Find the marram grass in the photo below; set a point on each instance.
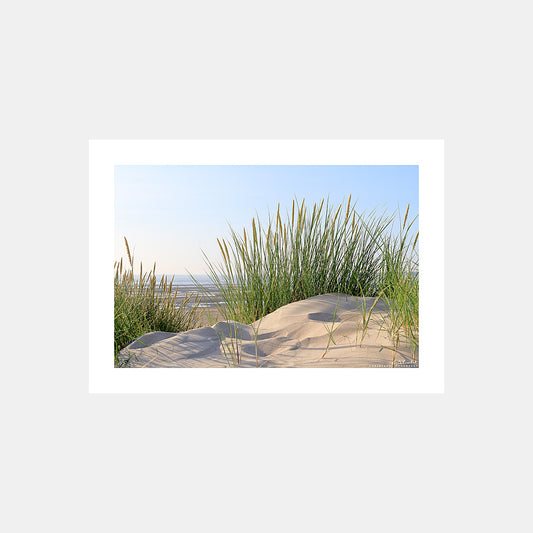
(326, 249)
(142, 305)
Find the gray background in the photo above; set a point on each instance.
(74, 71)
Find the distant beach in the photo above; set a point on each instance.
(186, 286)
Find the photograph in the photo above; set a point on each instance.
(266, 266)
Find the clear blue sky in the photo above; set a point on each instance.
(169, 214)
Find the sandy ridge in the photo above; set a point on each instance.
(294, 336)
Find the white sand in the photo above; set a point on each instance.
(294, 336)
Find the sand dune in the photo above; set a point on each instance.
(294, 336)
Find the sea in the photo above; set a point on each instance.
(210, 295)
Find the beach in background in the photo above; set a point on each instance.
(186, 287)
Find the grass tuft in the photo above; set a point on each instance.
(319, 252)
(143, 306)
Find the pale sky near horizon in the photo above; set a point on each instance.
(169, 214)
